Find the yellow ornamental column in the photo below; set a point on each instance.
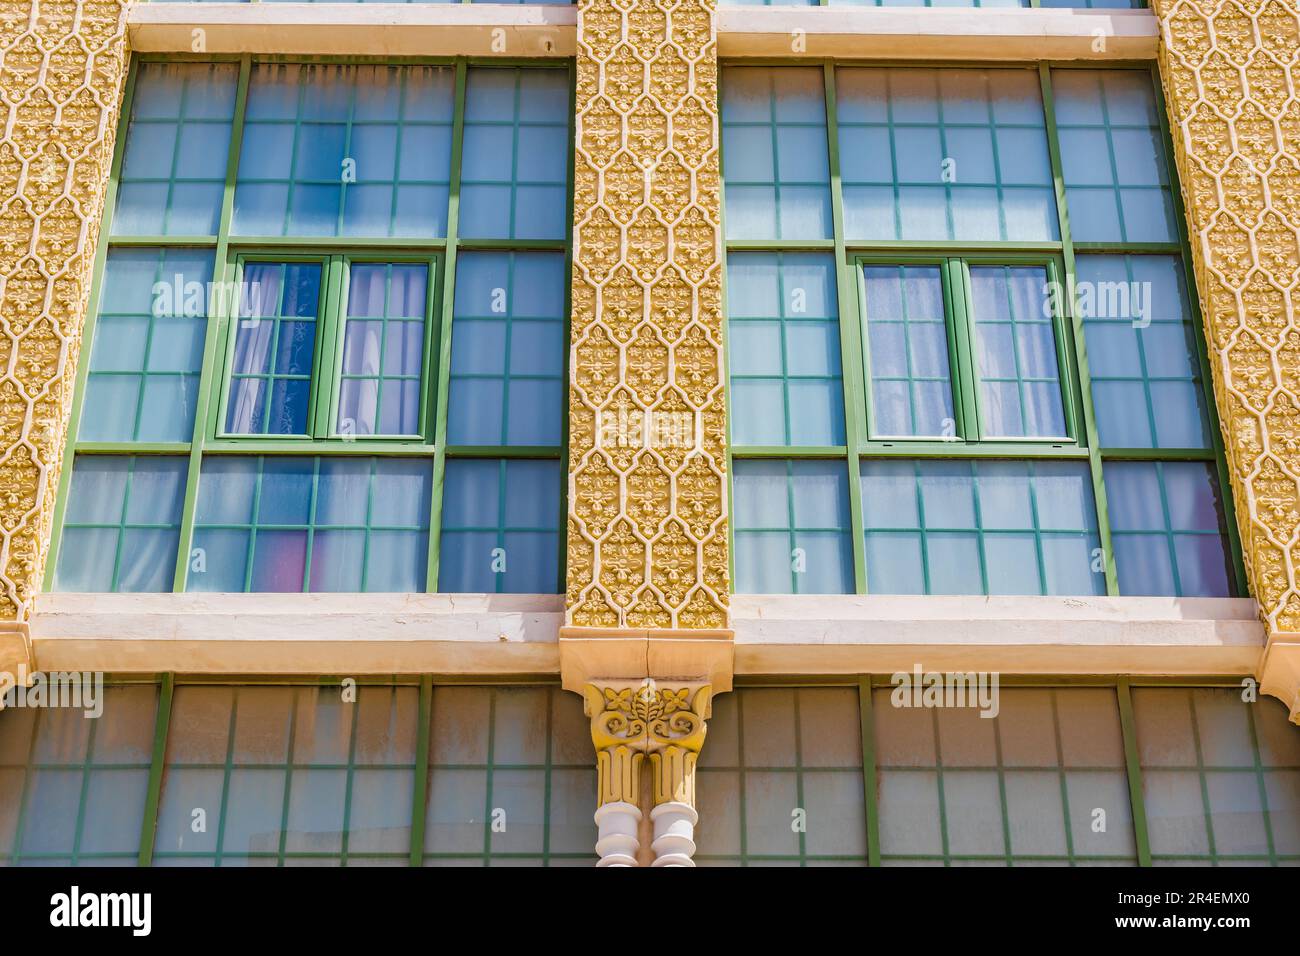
(62, 65)
(1230, 72)
(647, 529)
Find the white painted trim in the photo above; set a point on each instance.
(359, 29)
(937, 33)
(543, 30)
(490, 634)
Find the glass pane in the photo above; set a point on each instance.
(1142, 356)
(775, 161)
(383, 349)
(1015, 345)
(500, 527)
(288, 776)
(1000, 776)
(801, 762)
(907, 350)
(75, 774)
(784, 350)
(311, 524)
(1219, 777)
(944, 154)
(122, 524)
(792, 528)
(275, 342)
(507, 349)
(493, 754)
(177, 145)
(345, 150)
(980, 527)
(148, 348)
(1168, 528)
(1113, 156)
(516, 155)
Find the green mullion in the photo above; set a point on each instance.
(311, 524)
(229, 764)
(1263, 787)
(254, 445)
(938, 762)
(488, 783)
(1200, 774)
(1133, 768)
(347, 794)
(88, 331)
(213, 362)
(288, 767)
(162, 719)
(443, 386)
(852, 383)
(1063, 778)
(87, 768)
(1074, 323)
(940, 248)
(421, 793)
(1002, 783)
(867, 723)
(136, 241)
(780, 245)
(562, 565)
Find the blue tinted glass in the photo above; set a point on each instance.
(177, 146)
(792, 527)
(507, 351)
(148, 349)
(1113, 157)
(500, 527)
(275, 341)
(944, 154)
(1168, 529)
(516, 153)
(784, 351)
(334, 150)
(775, 158)
(122, 525)
(312, 524)
(1142, 358)
(986, 527)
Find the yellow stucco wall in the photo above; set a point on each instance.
(62, 65)
(647, 540)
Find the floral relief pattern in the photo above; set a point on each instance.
(62, 65)
(1230, 70)
(647, 468)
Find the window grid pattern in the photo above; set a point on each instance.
(960, 789)
(777, 785)
(1221, 778)
(805, 775)
(145, 364)
(319, 383)
(972, 140)
(323, 154)
(1052, 370)
(783, 344)
(73, 788)
(512, 779)
(171, 177)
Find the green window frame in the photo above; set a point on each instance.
(339, 256)
(955, 260)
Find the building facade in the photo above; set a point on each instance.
(650, 432)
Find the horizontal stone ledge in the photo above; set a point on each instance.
(544, 30)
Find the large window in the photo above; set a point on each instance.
(330, 324)
(964, 352)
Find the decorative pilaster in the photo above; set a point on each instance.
(632, 721)
(647, 540)
(1230, 70)
(62, 65)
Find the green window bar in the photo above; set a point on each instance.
(297, 319)
(974, 321)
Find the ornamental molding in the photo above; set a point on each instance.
(62, 66)
(1230, 75)
(647, 528)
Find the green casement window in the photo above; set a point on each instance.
(964, 352)
(330, 322)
